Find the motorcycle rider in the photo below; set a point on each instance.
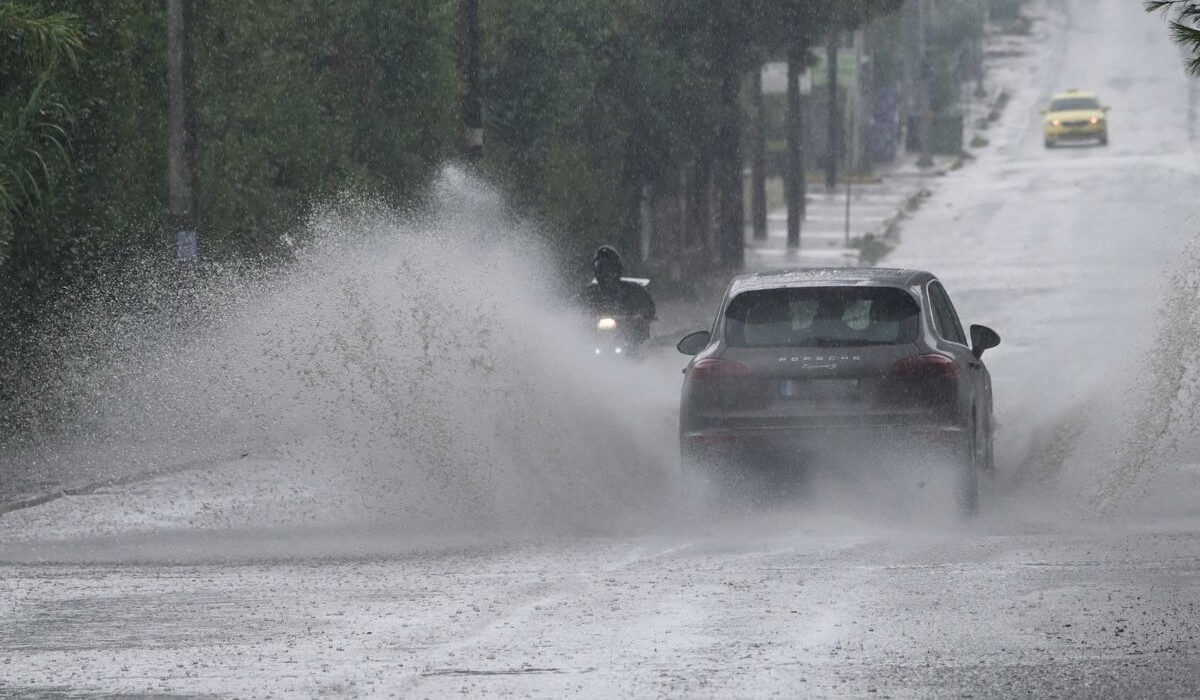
(609, 295)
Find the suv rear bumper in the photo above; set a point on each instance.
(795, 448)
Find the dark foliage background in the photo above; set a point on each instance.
(587, 104)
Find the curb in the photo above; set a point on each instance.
(88, 487)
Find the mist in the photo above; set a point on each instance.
(423, 370)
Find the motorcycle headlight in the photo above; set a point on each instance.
(606, 324)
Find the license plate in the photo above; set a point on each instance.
(817, 389)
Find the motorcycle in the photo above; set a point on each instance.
(616, 336)
(619, 336)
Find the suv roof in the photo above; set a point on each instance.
(829, 276)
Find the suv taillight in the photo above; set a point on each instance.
(928, 366)
(713, 369)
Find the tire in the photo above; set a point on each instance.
(698, 484)
(715, 485)
(693, 495)
(987, 464)
(1049, 143)
(1104, 139)
(967, 476)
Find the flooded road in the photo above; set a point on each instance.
(271, 574)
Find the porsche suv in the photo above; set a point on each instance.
(803, 361)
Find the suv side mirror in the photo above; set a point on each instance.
(983, 338)
(693, 343)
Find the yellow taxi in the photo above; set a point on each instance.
(1075, 115)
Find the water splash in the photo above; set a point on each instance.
(420, 369)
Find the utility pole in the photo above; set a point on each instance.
(729, 180)
(849, 162)
(980, 92)
(796, 178)
(854, 146)
(758, 161)
(472, 103)
(181, 126)
(831, 166)
(924, 70)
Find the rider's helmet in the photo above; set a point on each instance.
(606, 264)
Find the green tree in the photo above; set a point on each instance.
(299, 101)
(585, 104)
(545, 79)
(39, 47)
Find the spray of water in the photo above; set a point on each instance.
(1114, 436)
(420, 370)
(1155, 462)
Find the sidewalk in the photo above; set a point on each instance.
(849, 225)
(875, 212)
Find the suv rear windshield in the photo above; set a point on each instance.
(1065, 104)
(821, 317)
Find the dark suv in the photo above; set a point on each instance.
(832, 359)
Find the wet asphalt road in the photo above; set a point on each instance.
(1081, 578)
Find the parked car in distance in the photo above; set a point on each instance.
(804, 361)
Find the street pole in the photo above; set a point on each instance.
(854, 102)
(730, 180)
(796, 179)
(472, 103)
(181, 127)
(849, 173)
(924, 72)
(831, 166)
(758, 164)
(980, 92)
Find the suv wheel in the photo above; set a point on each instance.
(967, 476)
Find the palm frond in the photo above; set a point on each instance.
(33, 136)
(1184, 26)
(41, 41)
(42, 164)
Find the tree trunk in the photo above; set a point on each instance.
(731, 224)
(795, 181)
(699, 214)
(925, 71)
(472, 101)
(831, 160)
(181, 139)
(758, 161)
